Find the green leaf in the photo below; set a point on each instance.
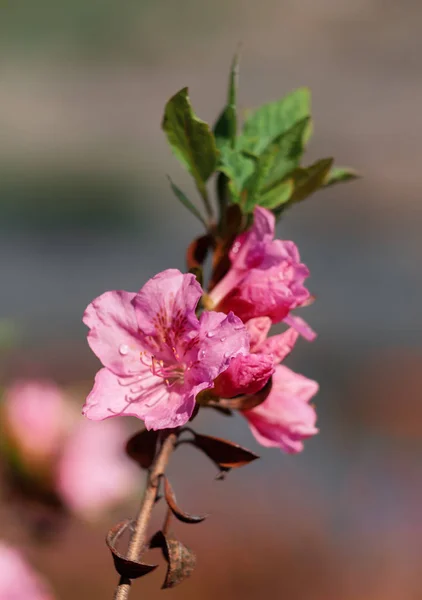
(280, 157)
(288, 149)
(237, 167)
(308, 180)
(190, 138)
(263, 164)
(340, 175)
(185, 200)
(225, 130)
(271, 120)
(277, 195)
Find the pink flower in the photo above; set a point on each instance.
(157, 354)
(266, 276)
(17, 579)
(94, 474)
(245, 375)
(36, 418)
(285, 418)
(248, 374)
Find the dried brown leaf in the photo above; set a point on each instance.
(181, 560)
(176, 510)
(141, 448)
(225, 454)
(129, 569)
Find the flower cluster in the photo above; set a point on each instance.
(57, 452)
(160, 351)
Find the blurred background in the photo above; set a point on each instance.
(85, 207)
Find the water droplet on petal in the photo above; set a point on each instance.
(227, 354)
(223, 339)
(210, 334)
(239, 327)
(201, 354)
(124, 349)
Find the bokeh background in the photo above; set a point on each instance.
(85, 207)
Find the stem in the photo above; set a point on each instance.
(138, 538)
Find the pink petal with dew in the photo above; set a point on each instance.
(258, 329)
(245, 375)
(221, 338)
(114, 334)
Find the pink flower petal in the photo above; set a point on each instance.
(168, 302)
(258, 329)
(248, 246)
(146, 397)
(221, 338)
(266, 276)
(245, 375)
(279, 346)
(285, 418)
(114, 332)
(261, 293)
(111, 395)
(301, 327)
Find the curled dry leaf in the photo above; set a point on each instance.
(197, 251)
(226, 455)
(141, 447)
(130, 569)
(178, 512)
(181, 560)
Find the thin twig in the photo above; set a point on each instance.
(138, 538)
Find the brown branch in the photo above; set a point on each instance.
(138, 538)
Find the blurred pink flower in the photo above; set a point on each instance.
(94, 474)
(17, 579)
(285, 418)
(36, 418)
(81, 462)
(157, 355)
(266, 276)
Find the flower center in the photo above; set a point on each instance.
(171, 372)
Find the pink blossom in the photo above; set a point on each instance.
(266, 276)
(17, 579)
(248, 374)
(285, 418)
(157, 354)
(36, 418)
(93, 473)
